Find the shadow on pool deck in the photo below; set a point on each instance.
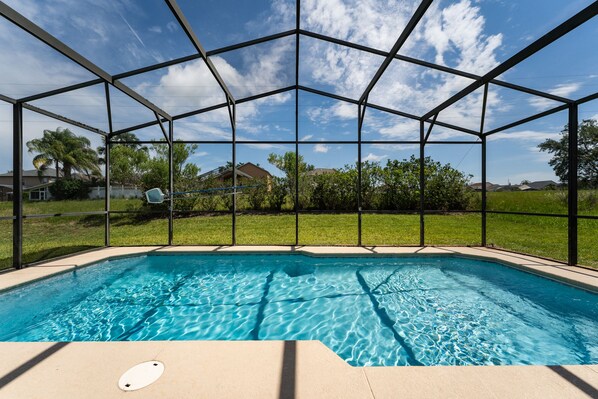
(288, 373)
(576, 381)
(31, 363)
(34, 377)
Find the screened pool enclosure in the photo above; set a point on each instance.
(309, 115)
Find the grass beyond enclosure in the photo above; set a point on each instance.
(537, 235)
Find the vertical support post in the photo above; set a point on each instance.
(170, 181)
(17, 189)
(107, 168)
(297, 24)
(572, 184)
(361, 110)
(483, 138)
(296, 166)
(107, 193)
(483, 243)
(422, 187)
(233, 114)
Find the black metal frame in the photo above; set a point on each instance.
(431, 117)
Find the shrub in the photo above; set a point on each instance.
(277, 194)
(255, 197)
(70, 189)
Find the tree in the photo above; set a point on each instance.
(399, 187)
(128, 159)
(587, 153)
(185, 174)
(63, 147)
(446, 188)
(286, 164)
(127, 139)
(127, 164)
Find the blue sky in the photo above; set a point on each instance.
(466, 34)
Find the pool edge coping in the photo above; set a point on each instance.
(578, 277)
(325, 366)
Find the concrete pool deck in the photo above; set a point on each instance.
(274, 369)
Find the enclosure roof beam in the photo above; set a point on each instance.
(210, 53)
(140, 99)
(204, 110)
(587, 98)
(7, 99)
(182, 20)
(528, 119)
(386, 109)
(64, 119)
(34, 30)
(239, 101)
(159, 120)
(61, 90)
(431, 65)
(415, 18)
(160, 65)
(578, 19)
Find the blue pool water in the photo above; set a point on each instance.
(370, 311)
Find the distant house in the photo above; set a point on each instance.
(478, 186)
(247, 171)
(35, 183)
(31, 177)
(524, 187)
(543, 185)
(5, 192)
(533, 186)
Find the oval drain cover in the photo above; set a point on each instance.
(140, 376)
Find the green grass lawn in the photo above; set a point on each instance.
(549, 201)
(544, 236)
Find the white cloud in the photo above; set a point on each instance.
(172, 26)
(374, 158)
(345, 110)
(155, 29)
(563, 90)
(307, 137)
(405, 129)
(453, 33)
(321, 148)
(539, 156)
(525, 135)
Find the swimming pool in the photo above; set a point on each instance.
(381, 311)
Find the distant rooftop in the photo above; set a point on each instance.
(48, 172)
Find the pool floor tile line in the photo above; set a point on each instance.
(521, 316)
(255, 332)
(387, 279)
(387, 321)
(155, 308)
(84, 297)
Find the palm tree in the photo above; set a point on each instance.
(63, 147)
(130, 140)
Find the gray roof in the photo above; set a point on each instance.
(49, 172)
(220, 171)
(538, 185)
(48, 184)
